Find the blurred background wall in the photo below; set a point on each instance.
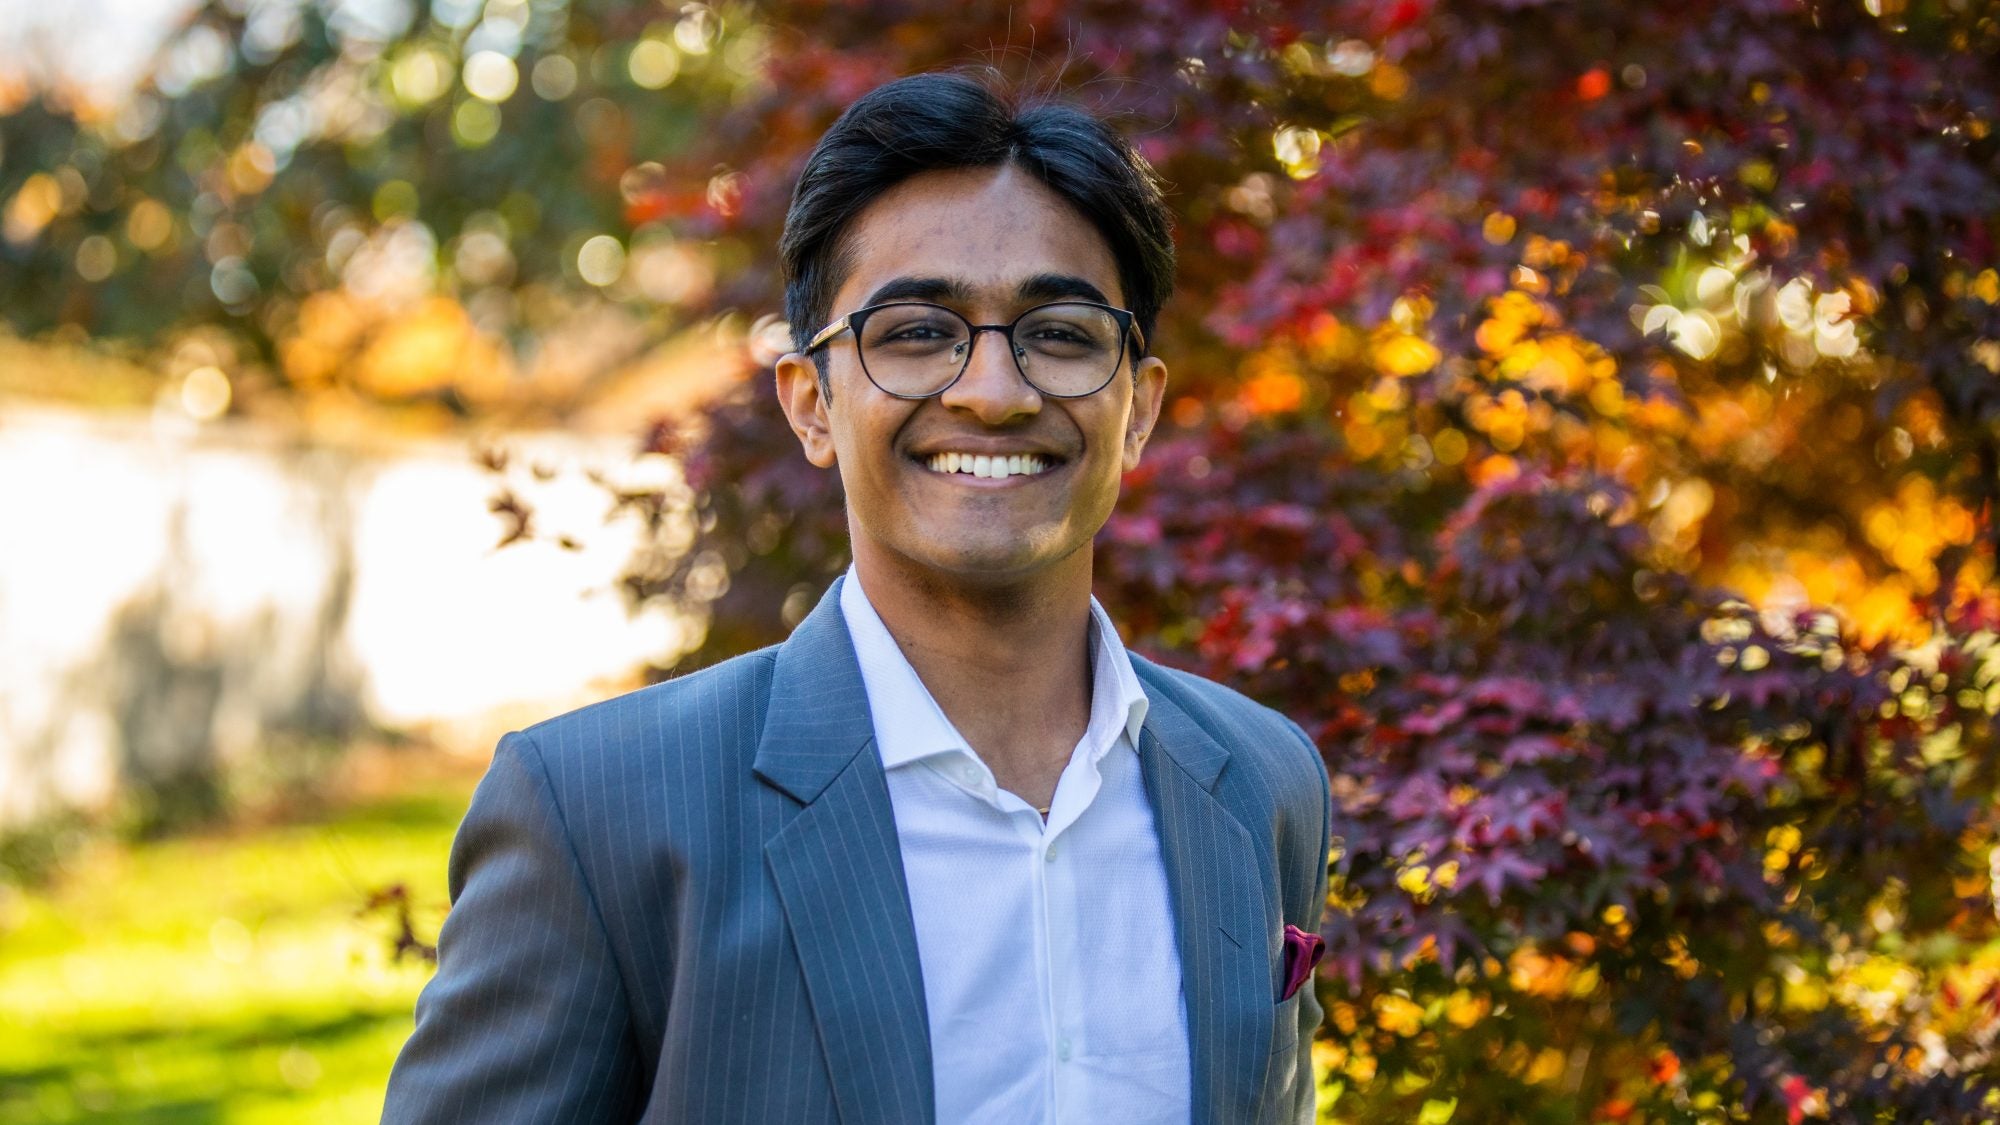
(188, 598)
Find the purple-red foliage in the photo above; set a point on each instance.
(1519, 695)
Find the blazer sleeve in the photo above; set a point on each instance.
(1306, 1089)
(527, 1019)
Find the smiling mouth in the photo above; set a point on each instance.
(988, 467)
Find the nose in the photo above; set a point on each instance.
(992, 389)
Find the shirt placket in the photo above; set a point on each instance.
(1028, 830)
(1059, 945)
(1062, 942)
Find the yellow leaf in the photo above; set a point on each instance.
(1463, 1009)
(1437, 1112)
(1406, 355)
(1399, 1014)
(1548, 1066)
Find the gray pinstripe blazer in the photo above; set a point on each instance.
(687, 904)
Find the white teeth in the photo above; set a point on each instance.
(985, 465)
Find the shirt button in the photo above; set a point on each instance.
(1062, 1049)
(1049, 854)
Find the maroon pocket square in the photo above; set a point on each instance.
(1302, 953)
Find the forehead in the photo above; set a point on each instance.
(988, 229)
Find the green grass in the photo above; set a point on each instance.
(229, 978)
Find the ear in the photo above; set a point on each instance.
(805, 404)
(1149, 388)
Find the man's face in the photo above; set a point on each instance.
(989, 244)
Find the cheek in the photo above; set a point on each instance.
(1098, 492)
(864, 444)
(1112, 429)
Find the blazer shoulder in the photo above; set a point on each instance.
(728, 697)
(1251, 730)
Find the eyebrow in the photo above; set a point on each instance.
(1056, 286)
(1041, 287)
(921, 289)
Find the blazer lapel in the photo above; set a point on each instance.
(1227, 944)
(839, 874)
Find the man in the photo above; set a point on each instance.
(948, 854)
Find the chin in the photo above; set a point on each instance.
(997, 563)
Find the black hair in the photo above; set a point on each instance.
(948, 120)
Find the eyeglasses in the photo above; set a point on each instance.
(911, 349)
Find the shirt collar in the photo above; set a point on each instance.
(909, 725)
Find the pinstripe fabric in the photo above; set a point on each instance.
(687, 905)
(1261, 812)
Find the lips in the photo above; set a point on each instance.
(986, 465)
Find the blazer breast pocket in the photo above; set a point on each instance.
(1285, 1027)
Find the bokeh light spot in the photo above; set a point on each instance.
(490, 76)
(1352, 58)
(1697, 334)
(725, 193)
(554, 77)
(393, 200)
(149, 225)
(96, 257)
(653, 64)
(475, 123)
(698, 30)
(38, 201)
(1297, 148)
(232, 283)
(419, 77)
(1714, 284)
(250, 168)
(601, 261)
(205, 393)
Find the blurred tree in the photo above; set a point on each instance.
(1510, 335)
(327, 207)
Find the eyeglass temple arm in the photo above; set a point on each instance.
(829, 332)
(1137, 337)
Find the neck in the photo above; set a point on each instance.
(1007, 661)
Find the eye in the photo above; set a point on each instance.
(1067, 330)
(912, 329)
(921, 330)
(1060, 333)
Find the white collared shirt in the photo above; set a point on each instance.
(1051, 977)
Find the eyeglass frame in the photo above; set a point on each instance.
(1128, 330)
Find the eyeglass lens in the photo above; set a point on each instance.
(1061, 349)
